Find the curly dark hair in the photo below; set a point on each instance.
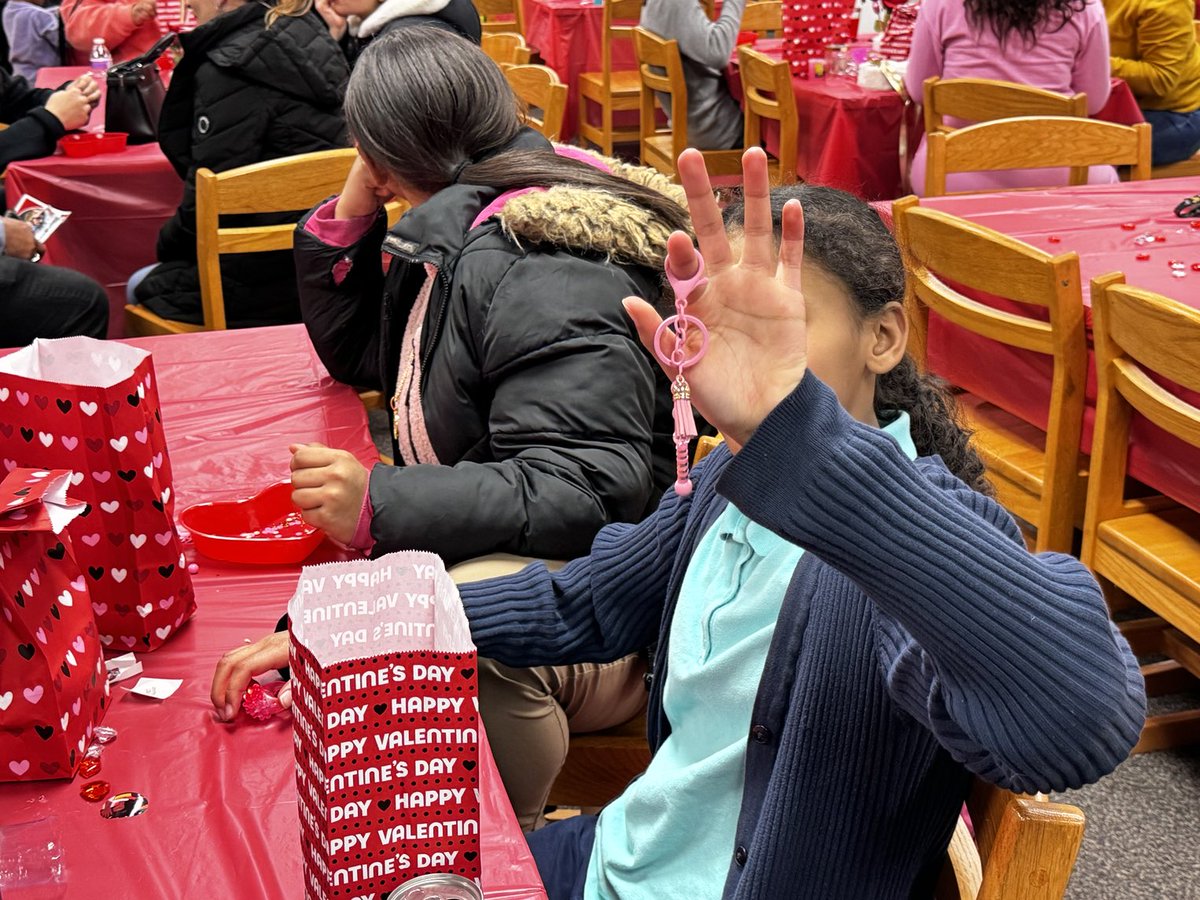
(1026, 17)
(849, 241)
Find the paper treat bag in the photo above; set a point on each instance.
(52, 682)
(386, 725)
(92, 407)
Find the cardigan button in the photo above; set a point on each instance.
(761, 734)
(740, 855)
(648, 680)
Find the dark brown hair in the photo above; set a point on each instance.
(1025, 17)
(849, 241)
(433, 109)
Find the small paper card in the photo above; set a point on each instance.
(43, 218)
(157, 688)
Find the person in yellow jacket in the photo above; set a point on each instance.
(1154, 48)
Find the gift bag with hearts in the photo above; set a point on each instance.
(92, 407)
(386, 725)
(53, 688)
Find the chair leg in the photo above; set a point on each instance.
(606, 120)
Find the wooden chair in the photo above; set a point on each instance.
(1033, 142)
(1024, 848)
(763, 16)
(612, 91)
(501, 15)
(661, 70)
(505, 48)
(982, 100)
(767, 87)
(1150, 552)
(539, 88)
(1037, 476)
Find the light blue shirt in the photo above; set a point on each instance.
(676, 824)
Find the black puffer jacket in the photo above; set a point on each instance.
(546, 414)
(243, 93)
(452, 16)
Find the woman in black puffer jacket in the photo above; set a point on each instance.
(526, 413)
(255, 83)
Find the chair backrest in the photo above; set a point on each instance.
(982, 100)
(944, 253)
(763, 16)
(293, 184)
(539, 88)
(1037, 142)
(506, 48)
(620, 19)
(661, 70)
(767, 88)
(500, 15)
(1024, 848)
(1196, 26)
(1136, 333)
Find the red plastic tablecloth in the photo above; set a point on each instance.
(849, 135)
(569, 36)
(222, 821)
(118, 202)
(1086, 220)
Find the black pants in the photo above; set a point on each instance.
(39, 301)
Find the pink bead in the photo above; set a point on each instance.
(193, 568)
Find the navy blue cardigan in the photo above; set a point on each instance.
(919, 642)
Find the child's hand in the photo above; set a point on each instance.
(362, 195)
(752, 307)
(328, 486)
(237, 667)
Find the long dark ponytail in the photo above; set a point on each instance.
(848, 240)
(1025, 17)
(433, 109)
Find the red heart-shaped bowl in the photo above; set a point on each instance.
(233, 530)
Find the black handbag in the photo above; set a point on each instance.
(135, 94)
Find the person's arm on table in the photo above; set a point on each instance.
(1165, 36)
(340, 279)
(34, 133)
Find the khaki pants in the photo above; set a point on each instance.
(530, 714)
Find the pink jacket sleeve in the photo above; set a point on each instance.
(1091, 73)
(88, 19)
(926, 57)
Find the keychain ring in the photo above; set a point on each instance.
(692, 322)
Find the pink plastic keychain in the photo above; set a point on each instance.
(681, 392)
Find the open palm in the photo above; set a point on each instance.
(753, 307)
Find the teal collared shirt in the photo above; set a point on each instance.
(675, 825)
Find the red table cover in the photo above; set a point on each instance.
(223, 819)
(569, 36)
(849, 135)
(1086, 220)
(118, 202)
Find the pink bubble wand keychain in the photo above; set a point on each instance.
(681, 391)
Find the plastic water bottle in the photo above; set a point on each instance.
(101, 59)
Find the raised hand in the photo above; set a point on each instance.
(752, 306)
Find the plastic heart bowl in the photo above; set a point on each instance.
(265, 529)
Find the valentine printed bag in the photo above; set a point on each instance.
(53, 688)
(896, 42)
(810, 26)
(92, 406)
(386, 725)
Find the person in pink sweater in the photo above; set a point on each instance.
(1057, 45)
(129, 27)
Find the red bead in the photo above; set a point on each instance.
(1195, 223)
(1162, 238)
(1196, 267)
(94, 792)
(89, 766)
(1143, 256)
(1129, 226)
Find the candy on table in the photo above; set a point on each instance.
(95, 791)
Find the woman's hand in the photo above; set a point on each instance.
(240, 665)
(328, 486)
(335, 21)
(753, 306)
(142, 11)
(70, 106)
(87, 86)
(362, 195)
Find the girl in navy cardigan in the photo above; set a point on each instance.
(849, 627)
